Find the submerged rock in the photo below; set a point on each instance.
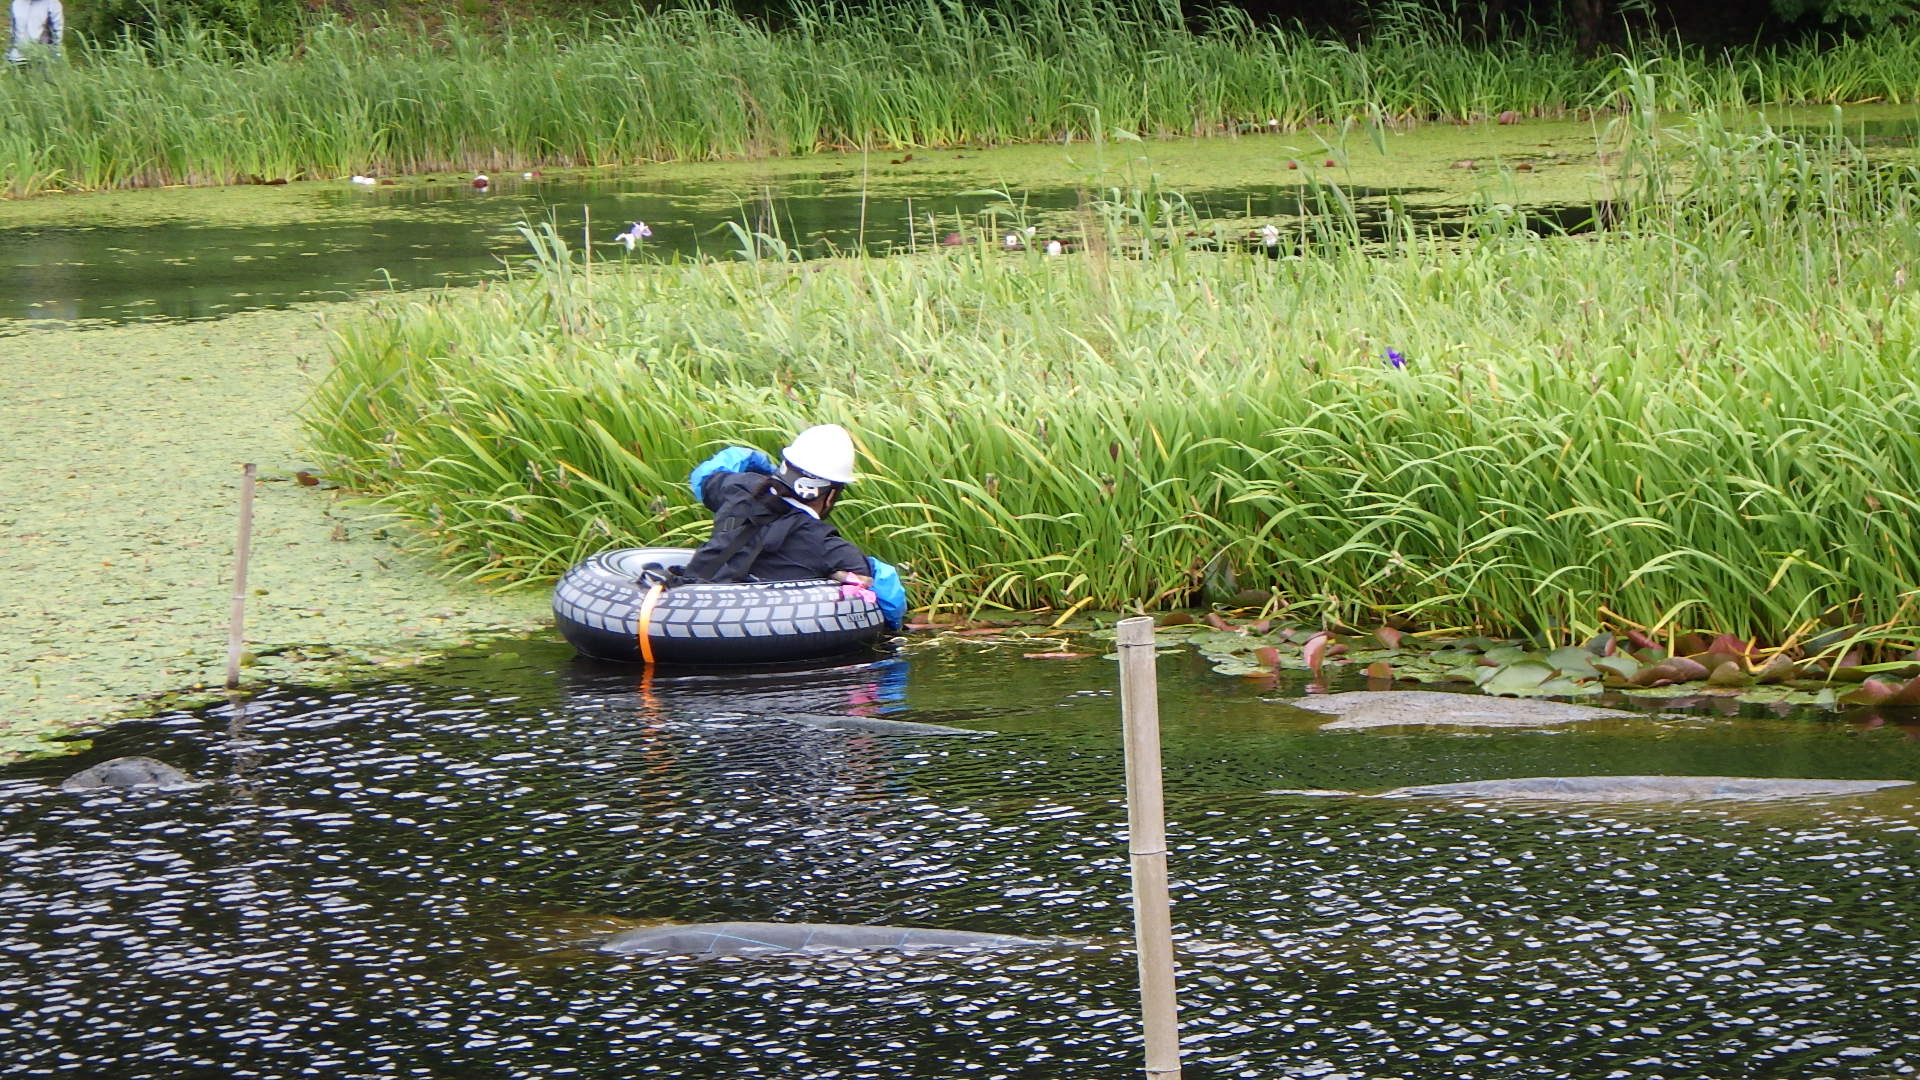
(127, 772)
(1645, 788)
(1405, 708)
(735, 938)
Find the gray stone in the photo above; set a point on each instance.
(127, 772)
(736, 938)
(1361, 709)
(1644, 788)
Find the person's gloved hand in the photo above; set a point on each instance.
(851, 589)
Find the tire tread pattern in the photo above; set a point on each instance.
(597, 607)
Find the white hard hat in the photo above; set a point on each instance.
(824, 451)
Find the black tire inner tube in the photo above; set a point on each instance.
(597, 606)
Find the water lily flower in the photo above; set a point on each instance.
(635, 233)
(358, 179)
(1270, 235)
(1395, 360)
(1055, 247)
(1011, 242)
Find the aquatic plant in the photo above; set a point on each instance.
(694, 82)
(633, 235)
(1703, 419)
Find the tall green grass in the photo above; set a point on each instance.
(698, 82)
(1708, 420)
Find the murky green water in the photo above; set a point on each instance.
(407, 880)
(452, 234)
(188, 254)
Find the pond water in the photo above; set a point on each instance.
(190, 254)
(356, 240)
(407, 879)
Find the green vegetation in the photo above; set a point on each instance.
(1704, 419)
(193, 106)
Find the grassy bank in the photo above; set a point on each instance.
(697, 83)
(1704, 419)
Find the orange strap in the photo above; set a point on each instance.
(646, 621)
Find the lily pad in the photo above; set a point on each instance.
(1575, 661)
(1623, 666)
(1676, 669)
(1241, 667)
(1729, 674)
(1533, 678)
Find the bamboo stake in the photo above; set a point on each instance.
(242, 551)
(1147, 844)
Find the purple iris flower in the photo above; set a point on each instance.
(633, 235)
(1395, 360)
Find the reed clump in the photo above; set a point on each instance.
(1705, 419)
(699, 82)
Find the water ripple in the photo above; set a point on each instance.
(407, 880)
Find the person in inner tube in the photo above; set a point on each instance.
(770, 523)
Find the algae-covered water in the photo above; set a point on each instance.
(409, 878)
(121, 467)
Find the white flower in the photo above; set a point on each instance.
(1270, 235)
(1054, 247)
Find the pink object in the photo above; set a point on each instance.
(849, 590)
(1315, 652)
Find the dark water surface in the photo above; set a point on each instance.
(406, 879)
(450, 234)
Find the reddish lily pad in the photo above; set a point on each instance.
(1315, 652)
(1676, 669)
(1730, 673)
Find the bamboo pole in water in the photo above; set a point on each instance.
(242, 551)
(1147, 844)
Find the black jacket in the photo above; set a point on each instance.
(757, 535)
